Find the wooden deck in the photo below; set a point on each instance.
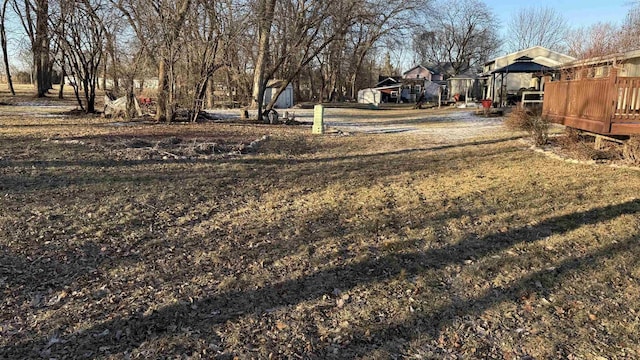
(608, 106)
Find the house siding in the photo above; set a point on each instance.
(418, 73)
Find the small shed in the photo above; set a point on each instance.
(466, 84)
(370, 96)
(380, 94)
(285, 100)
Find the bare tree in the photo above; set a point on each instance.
(237, 51)
(379, 22)
(462, 33)
(537, 26)
(33, 16)
(300, 30)
(3, 43)
(316, 24)
(599, 39)
(630, 32)
(607, 38)
(83, 40)
(265, 14)
(57, 31)
(211, 28)
(158, 27)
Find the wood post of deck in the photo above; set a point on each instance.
(611, 100)
(545, 80)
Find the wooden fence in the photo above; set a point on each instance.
(608, 105)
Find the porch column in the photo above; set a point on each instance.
(493, 87)
(611, 102)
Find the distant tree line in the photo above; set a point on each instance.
(207, 51)
(195, 47)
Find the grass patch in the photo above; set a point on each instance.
(367, 246)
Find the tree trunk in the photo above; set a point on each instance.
(89, 97)
(258, 77)
(354, 78)
(210, 100)
(7, 70)
(264, 32)
(161, 106)
(297, 94)
(199, 101)
(323, 86)
(63, 75)
(3, 43)
(104, 75)
(131, 98)
(114, 70)
(41, 48)
(312, 85)
(76, 92)
(229, 87)
(91, 104)
(171, 93)
(358, 66)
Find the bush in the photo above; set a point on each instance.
(580, 146)
(631, 150)
(572, 135)
(530, 121)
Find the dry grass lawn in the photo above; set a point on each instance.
(363, 246)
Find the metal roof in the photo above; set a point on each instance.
(387, 87)
(523, 64)
(525, 51)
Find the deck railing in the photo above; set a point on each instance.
(608, 105)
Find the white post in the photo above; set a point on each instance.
(318, 120)
(466, 95)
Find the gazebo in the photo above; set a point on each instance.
(523, 64)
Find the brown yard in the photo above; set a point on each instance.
(170, 241)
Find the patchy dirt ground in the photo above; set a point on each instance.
(376, 245)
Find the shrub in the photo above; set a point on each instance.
(530, 121)
(580, 146)
(631, 150)
(572, 135)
